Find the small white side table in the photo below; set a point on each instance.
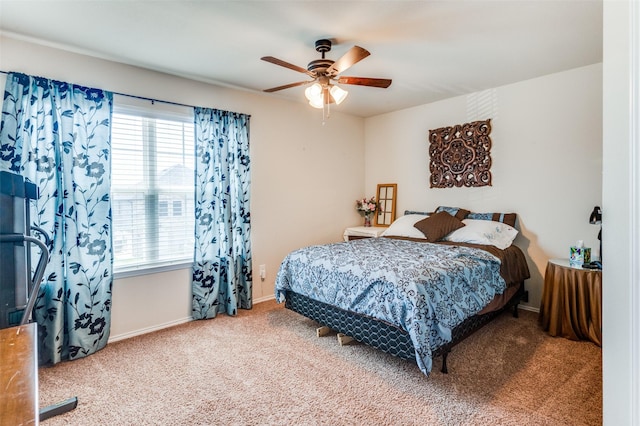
(356, 232)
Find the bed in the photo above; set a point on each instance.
(427, 283)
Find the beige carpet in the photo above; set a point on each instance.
(267, 367)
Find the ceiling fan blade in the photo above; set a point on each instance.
(383, 83)
(353, 56)
(282, 63)
(287, 86)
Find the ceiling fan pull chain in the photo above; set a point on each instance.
(328, 104)
(325, 106)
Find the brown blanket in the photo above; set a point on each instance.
(513, 265)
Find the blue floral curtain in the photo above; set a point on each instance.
(57, 135)
(222, 261)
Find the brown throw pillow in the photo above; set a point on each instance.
(462, 214)
(436, 226)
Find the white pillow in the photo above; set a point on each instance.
(403, 227)
(485, 232)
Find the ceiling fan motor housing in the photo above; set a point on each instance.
(323, 46)
(320, 65)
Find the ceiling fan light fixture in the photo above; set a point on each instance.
(317, 102)
(313, 92)
(315, 95)
(338, 94)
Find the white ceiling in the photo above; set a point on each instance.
(431, 49)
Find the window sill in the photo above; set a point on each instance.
(126, 273)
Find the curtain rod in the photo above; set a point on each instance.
(152, 100)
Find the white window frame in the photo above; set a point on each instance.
(164, 111)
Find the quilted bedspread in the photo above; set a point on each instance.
(426, 289)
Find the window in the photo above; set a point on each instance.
(163, 208)
(152, 186)
(177, 208)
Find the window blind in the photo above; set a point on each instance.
(152, 188)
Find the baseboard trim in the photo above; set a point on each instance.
(264, 299)
(146, 330)
(529, 308)
(158, 327)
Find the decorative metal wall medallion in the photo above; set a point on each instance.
(460, 155)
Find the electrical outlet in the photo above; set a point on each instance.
(263, 272)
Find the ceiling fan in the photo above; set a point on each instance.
(324, 72)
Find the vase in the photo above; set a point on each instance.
(367, 220)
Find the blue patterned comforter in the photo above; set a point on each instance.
(426, 289)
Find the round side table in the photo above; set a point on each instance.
(571, 305)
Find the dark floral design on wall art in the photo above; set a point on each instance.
(461, 155)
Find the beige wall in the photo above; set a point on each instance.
(546, 153)
(305, 177)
